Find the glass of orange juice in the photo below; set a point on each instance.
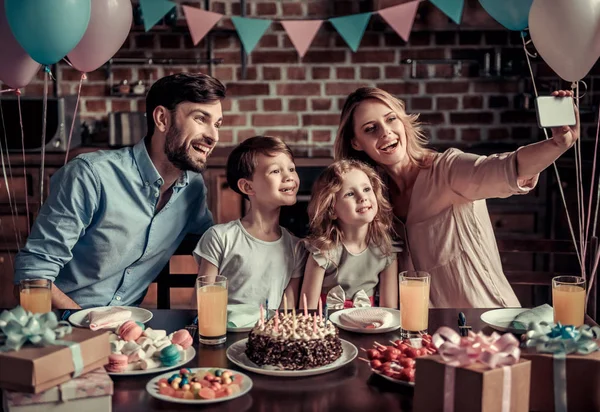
(211, 295)
(568, 299)
(414, 303)
(35, 295)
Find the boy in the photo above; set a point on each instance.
(260, 259)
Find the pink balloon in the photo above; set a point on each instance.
(567, 35)
(17, 69)
(109, 26)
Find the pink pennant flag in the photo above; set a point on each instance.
(302, 33)
(401, 17)
(200, 22)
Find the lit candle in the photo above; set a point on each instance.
(262, 321)
(320, 309)
(315, 324)
(305, 305)
(276, 320)
(284, 304)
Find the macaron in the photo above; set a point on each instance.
(183, 338)
(169, 356)
(129, 331)
(117, 363)
(141, 325)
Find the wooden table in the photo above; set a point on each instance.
(351, 388)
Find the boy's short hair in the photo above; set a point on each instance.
(242, 161)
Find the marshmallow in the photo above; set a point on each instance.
(113, 337)
(129, 348)
(116, 346)
(150, 351)
(155, 335)
(137, 356)
(149, 364)
(133, 366)
(163, 345)
(144, 342)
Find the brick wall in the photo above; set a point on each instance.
(301, 99)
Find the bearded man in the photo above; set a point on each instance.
(113, 218)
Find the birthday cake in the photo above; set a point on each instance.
(294, 342)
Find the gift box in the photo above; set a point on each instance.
(565, 367)
(475, 373)
(39, 352)
(91, 392)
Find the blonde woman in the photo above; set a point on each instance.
(350, 237)
(438, 199)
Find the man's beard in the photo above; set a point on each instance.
(177, 153)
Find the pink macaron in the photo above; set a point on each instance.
(182, 338)
(129, 331)
(116, 363)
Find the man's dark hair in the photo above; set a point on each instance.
(171, 90)
(242, 160)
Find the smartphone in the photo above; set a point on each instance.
(555, 111)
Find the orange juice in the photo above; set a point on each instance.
(36, 300)
(212, 310)
(414, 304)
(569, 304)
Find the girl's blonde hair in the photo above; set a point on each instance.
(325, 233)
(416, 141)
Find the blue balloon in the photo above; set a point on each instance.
(48, 29)
(512, 14)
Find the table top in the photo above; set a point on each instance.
(350, 388)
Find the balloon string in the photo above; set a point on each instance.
(560, 189)
(83, 77)
(579, 190)
(44, 112)
(592, 274)
(24, 166)
(9, 90)
(6, 183)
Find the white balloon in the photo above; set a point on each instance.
(566, 34)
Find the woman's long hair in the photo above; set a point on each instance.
(325, 232)
(416, 141)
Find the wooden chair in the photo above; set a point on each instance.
(552, 252)
(167, 280)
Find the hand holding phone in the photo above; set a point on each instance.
(555, 111)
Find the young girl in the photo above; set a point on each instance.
(350, 236)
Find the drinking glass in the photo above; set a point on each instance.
(414, 303)
(211, 294)
(35, 295)
(568, 300)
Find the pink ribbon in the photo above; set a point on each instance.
(493, 351)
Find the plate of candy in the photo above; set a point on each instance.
(197, 386)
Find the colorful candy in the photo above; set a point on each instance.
(216, 383)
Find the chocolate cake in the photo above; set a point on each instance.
(284, 343)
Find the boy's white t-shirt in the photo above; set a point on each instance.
(256, 270)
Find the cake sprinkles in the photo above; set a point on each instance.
(294, 342)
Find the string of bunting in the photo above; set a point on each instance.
(301, 32)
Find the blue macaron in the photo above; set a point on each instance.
(169, 356)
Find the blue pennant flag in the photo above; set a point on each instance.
(154, 10)
(451, 8)
(351, 28)
(250, 31)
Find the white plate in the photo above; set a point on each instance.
(80, 318)
(152, 388)
(500, 319)
(236, 353)
(398, 381)
(189, 355)
(335, 318)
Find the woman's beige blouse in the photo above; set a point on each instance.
(448, 232)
